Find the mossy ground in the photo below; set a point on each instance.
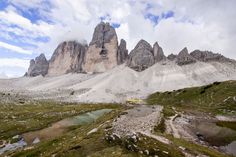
(216, 98)
(18, 119)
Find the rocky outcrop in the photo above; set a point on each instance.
(68, 57)
(158, 53)
(102, 51)
(141, 57)
(171, 57)
(184, 57)
(122, 54)
(39, 66)
(205, 56)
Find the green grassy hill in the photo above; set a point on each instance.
(216, 98)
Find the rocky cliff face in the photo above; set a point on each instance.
(141, 57)
(122, 54)
(184, 57)
(205, 56)
(172, 57)
(39, 66)
(68, 57)
(158, 53)
(102, 51)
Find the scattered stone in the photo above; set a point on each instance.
(16, 137)
(36, 140)
(72, 92)
(182, 148)
(165, 152)
(92, 131)
(146, 152)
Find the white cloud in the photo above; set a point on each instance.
(14, 48)
(14, 62)
(197, 24)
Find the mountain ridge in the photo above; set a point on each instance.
(104, 53)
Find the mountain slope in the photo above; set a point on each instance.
(122, 83)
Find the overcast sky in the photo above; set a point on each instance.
(31, 27)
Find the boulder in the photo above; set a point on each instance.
(39, 66)
(68, 57)
(122, 54)
(184, 57)
(102, 51)
(158, 53)
(141, 57)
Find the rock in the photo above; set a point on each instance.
(92, 131)
(16, 137)
(68, 57)
(146, 152)
(122, 54)
(102, 51)
(206, 56)
(36, 140)
(172, 57)
(141, 57)
(39, 66)
(184, 58)
(158, 53)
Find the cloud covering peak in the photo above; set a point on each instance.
(29, 28)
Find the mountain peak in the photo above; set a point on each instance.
(184, 57)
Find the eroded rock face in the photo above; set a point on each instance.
(172, 57)
(158, 53)
(102, 51)
(184, 57)
(122, 54)
(39, 66)
(205, 56)
(68, 57)
(141, 57)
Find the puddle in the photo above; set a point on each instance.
(215, 135)
(222, 137)
(230, 148)
(55, 130)
(14, 146)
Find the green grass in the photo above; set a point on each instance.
(231, 125)
(196, 148)
(216, 98)
(75, 142)
(18, 119)
(161, 127)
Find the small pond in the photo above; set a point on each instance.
(55, 130)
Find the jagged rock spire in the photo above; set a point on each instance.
(158, 53)
(39, 66)
(184, 57)
(68, 57)
(141, 57)
(205, 56)
(103, 49)
(122, 54)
